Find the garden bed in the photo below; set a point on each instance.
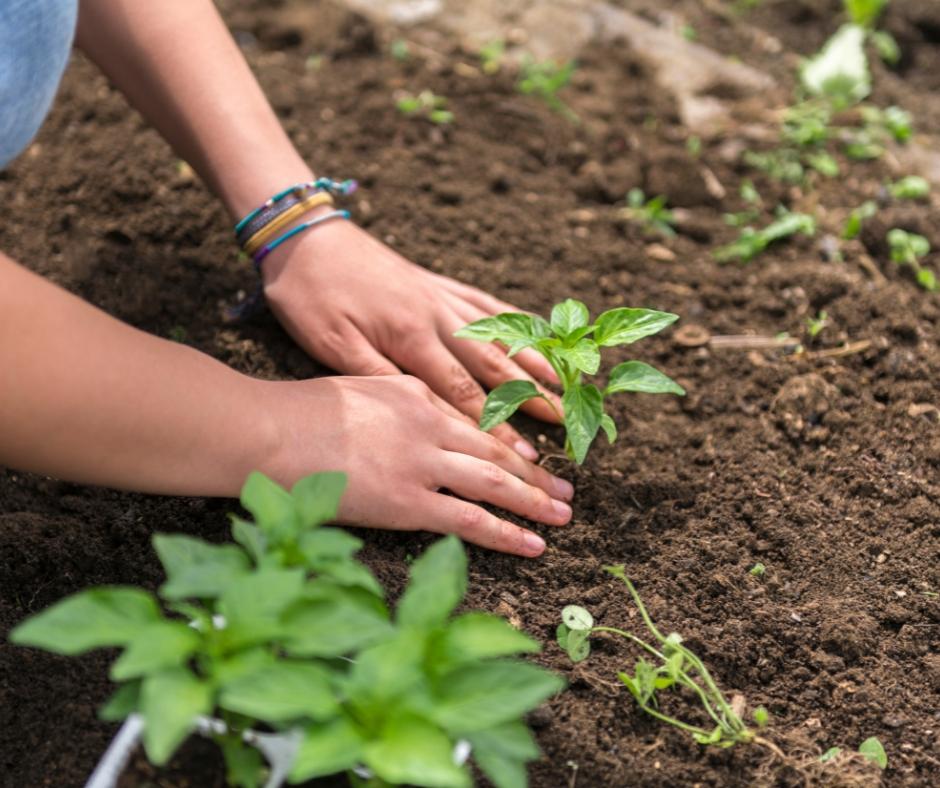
(824, 468)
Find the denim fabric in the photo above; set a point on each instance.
(35, 41)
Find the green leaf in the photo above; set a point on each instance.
(516, 329)
(95, 618)
(637, 376)
(170, 702)
(872, 749)
(438, 583)
(576, 618)
(865, 12)
(327, 749)
(828, 755)
(584, 356)
(478, 697)
(568, 316)
(349, 573)
(386, 671)
(502, 753)
(248, 536)
(196, 568)
(584, 407)
(282, 691)
(244, 766)
(578, 644)
(328, 544)
(317, 497)
(271, 505)
(476, 636)
(122, 703)
(163, 644)
(505, 400)
(610, 429)
(412, 751)
(252, 606)
(339, 623)
(840, 70)
(625, 325)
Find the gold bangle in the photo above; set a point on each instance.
(267, 232)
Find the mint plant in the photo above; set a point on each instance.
(571, 343)
(287, 630)
(652, 214)
(673, 665)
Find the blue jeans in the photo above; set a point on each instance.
(35, 41)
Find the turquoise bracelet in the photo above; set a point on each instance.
(320, 184)
(265, 250)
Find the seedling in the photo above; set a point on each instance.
(571, 343)
(673, 665)
(491, 56)
(839, 72)
(758, 570)
(865, 14)
(781, 164)
(400, 50)
(853, 225)
(287, 630)
(908, 249)
(814, 325)
(545, 79)
(871, 748)
(911, 187)
(752, 242)
(426, 105)
(652, 214)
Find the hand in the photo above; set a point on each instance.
(362, 309)
(400, 444)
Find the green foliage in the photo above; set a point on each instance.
(911, 187)
(666, 664)
(400, 50)
(571, 343)
(287, 630)
(839, 72)
(752, 242)
(545, 79)
(853, 225)
(871, 748)
(758, 570)
(491, 56)
(907, 249)
(425, 105)
(652, 214)
(864, 13)
(814, 325)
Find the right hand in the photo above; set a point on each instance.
(400, 444)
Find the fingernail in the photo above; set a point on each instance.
(534, 544)
(563, 488)
(527, 450)
(562, 510)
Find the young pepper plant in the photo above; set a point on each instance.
(571, 343)
(673, 665)
(287, 630)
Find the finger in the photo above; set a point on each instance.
(490, 364)
(447, 377)
(466, 440)
(530, 360)
(445, 515)
(480, 299)
(346, 350)
(479, 480)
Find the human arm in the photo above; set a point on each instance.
(346, 298)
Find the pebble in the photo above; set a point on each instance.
(660, 253)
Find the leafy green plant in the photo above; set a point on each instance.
(572, 345)
(286, 629)
(814, 325)
(839, 72)
(865, 14)
(752, 242)
(426, 105)
(911, 187)
(672, 665)
(652, 214)
(545, 79)
(907, 249)
(853, 225)
(758, 570)
(491, 56)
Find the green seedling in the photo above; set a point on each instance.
(752, 242)
(758, 570)
(688, 32)
(908, 249)
(839, 72)
(878, 129)
(865, 14)
(572, 344)
(426, 105)
(871, 748)
(652, 214)
(286, 630)
(858, 217)
(400, 50)
(491, 56)
(751, 197)
(911, 187)
(694, 146)
(545, 79)
(667, 663)
(781, 164)
(814, 325)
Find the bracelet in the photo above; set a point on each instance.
(265, 250)
(270, 228)
(297, 190)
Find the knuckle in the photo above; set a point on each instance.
(463, 387)
(470, 519)
(494, 476)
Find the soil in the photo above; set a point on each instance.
(824, 468)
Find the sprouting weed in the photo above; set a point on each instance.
(652, 214)
(425, 105)
(491, 56)
(853, 225)
(758, 570)
(908, 249)
(814, 325)
(911, 187)
(545, 79)
(752, 242)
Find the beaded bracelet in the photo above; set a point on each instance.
(272, 227)
(265, 250)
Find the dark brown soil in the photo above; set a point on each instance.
(826, 470)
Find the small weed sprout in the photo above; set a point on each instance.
(400, 50)
(814, 325)
(545, 79)
(425, 105)
(752, 242)
(758, 570)
(571, 343)
(652, 214)
(858, 217)
(911, 187)
(672, 666)
(871, 748)
(908, 249)
(491, 56)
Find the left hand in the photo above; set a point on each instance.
(362, 309)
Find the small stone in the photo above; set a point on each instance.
(881, 558)
(581, 232)
(918, 409)
(327, 114)
(691, 336)
(582, 216)
(660, 253)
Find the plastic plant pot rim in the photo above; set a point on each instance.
(278, 749)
